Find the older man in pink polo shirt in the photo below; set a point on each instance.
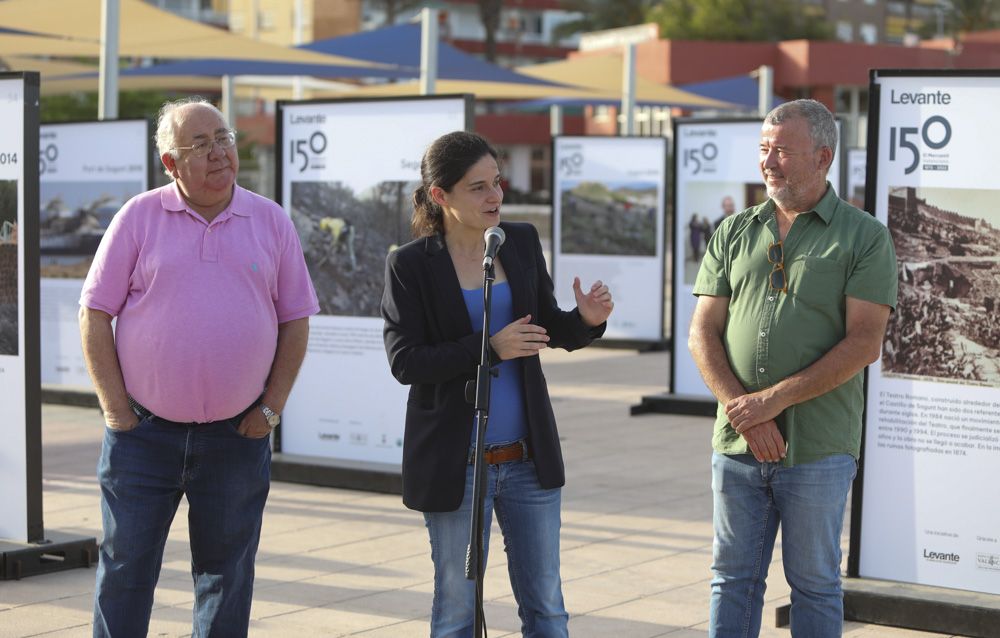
(212, 298)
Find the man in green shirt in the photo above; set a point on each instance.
(793, 300)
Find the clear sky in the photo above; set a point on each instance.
(970, 202)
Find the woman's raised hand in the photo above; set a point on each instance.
(595, 306)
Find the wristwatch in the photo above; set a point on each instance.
(273, 418)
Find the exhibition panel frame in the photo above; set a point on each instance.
(25, 548)
(346, 173)
(608, 224)
(87, 171)
(924, 512)
(21, 426)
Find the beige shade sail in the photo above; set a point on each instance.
(604, 73)
(14, 44)
(57, 79)
(145, 31)
(482, 90)
(597, 78)
(54, 81)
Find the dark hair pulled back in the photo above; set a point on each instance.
(444, 164)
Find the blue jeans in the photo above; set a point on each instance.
(529, 517)
(751, 499)
(143, 473)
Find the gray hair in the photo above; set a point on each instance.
(166, 123)
(822, 126)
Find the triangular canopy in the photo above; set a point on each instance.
(60, 77)
(145, 32)
(482, 90)
(19, 44)
(218, 67)
(395, 49)
(399, 45)
(603, 74)
(741, 89)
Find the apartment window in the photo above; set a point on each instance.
(845, 31)
(868, 33)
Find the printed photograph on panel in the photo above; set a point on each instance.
(8, 267)
(947, 324)
(609, 218)
(706, 206)
(346, 237)
(72, 219)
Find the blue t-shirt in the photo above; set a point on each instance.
(508, 420)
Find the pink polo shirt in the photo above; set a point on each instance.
(198, 304)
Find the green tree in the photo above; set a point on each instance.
(393, 8)
(972, 15)
(598, 15)
(83, 106)
(489, 14)
(746, 20)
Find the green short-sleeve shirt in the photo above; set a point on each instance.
(830, 253)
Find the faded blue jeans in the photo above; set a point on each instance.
(529, 517)
(143, 474)
(751, 499)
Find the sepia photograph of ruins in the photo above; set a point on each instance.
(946, 326)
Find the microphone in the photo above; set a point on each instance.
(494, 239)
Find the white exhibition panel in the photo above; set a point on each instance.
(13, 431)
(608, 222)
(929, 510)
(712, 161)
(87, 170)
(348, 172)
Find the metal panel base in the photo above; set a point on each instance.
(353, 475)
(946, 611)
(631, 344)
(64, 395)
(58, 552)
(675, 404)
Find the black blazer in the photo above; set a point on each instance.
(432, 348)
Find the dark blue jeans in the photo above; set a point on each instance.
(143, 473)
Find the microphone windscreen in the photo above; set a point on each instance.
(497, 232)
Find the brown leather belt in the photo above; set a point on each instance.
(517, 451)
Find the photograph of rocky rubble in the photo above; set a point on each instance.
(72, 219)
(613, 218)
(8, 267)
(346, 236)
(946, 326)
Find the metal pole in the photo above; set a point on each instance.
(297, 89)
(228, 90)
(428, 50)
(855, 94)
(555, 120)
(765, 89)
(628, 91)
(107, 99)
(254, 17)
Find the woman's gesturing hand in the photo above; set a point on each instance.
(520, 338)
(595, 307)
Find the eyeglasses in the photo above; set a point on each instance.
(202, 148)
(776, 256)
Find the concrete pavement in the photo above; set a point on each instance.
(636, 539)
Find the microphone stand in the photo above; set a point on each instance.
(474, 566)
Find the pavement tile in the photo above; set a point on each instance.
(636, 536)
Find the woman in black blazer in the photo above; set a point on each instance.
(431, 303)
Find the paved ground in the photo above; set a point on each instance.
(636, 541)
